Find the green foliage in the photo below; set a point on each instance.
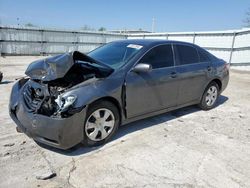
(30, 25)
(247, 19)
(87, 28)
(102, 29)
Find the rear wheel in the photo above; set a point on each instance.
(101, 123)
(210, 96)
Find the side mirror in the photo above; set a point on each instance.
(142, 67)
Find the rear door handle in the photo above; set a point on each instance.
(173, 74)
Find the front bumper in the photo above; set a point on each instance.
(58, 132)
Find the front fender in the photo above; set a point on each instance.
(89, 93)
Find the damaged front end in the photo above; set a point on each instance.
(44, 99)
(45, 106)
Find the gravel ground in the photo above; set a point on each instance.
(184, 148)
(241, 68)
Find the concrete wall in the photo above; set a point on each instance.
(232, 46)
(30, 41)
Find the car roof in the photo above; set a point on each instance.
(150, 42)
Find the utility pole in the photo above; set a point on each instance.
(153, 25)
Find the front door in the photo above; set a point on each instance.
(155, 90)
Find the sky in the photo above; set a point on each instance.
(169, 15)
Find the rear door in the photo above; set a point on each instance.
(193, 69)
(155, 90)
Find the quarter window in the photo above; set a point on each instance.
(160, 56)
(187, 54)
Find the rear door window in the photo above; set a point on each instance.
(186, 54)
(159, 57)
(203, 56)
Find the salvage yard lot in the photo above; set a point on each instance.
(184, 148)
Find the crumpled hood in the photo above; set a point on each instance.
(57, 66)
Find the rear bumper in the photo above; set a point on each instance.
(58, 132)
(224, 81)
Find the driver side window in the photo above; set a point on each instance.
(159, 57)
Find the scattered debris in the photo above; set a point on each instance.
(180, 120)
(47, 175)
(241, 116)
(24, 142)
(6, 154)
(230, 137)
(9, 144)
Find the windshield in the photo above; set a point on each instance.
(115, 54)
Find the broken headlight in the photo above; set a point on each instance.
(65, 102)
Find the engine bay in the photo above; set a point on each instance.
(43, 97)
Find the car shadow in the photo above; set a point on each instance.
(6, 82)
(133, 127)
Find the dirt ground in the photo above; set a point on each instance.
(184, 148)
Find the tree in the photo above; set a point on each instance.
(30, 25)
(247, 19)
(87, 28)
(102, 29)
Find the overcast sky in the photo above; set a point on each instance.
(176, 15)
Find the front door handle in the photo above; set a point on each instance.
(173, 74)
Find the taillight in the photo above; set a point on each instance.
(227, 66)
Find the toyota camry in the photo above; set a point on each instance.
(76, 98)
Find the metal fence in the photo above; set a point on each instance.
(32, 41)
(232, 46)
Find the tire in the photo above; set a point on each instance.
(210, 96)
(98, 130)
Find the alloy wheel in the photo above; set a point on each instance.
(211, 96)
(100, 124)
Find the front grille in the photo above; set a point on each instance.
(32, 101)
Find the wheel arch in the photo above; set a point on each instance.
(218, 82)
(112, 100)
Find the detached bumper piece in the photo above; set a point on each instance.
(1, 76)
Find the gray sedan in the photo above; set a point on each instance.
(74, 97)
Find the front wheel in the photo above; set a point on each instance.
(210, 96)
(101, 123)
